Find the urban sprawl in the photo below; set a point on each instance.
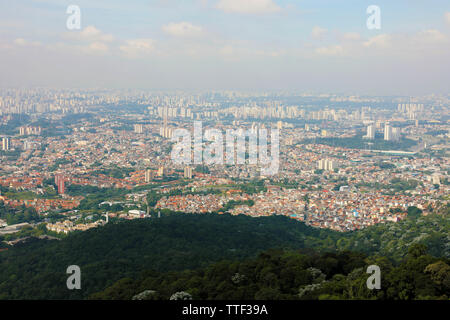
(73, 160)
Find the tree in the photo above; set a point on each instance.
(267, 294)
(414, 212)
(417, 250)
(440, 273)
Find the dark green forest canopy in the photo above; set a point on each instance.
(178, 242)
(278, 274)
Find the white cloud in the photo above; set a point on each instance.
(22, 42)
(413, 45)
(248, 6)
(89, 40)
(381, 41)
(430, 36)
(335, 50)
(136, 47)
(318, 32)
(447, 17)
(90, 34)
(96, 48)
(183, 29)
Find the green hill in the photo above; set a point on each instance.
(281, 275)
(37, 268)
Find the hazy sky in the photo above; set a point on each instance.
(317, 45)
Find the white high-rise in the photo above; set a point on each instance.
(138, 128)
(391, 133)
(148, 175)
(387, 132)
(326, 164)
(396, 134)
(188, 173)
(6, 143)
(371, 132)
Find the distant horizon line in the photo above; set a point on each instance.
(253, 91)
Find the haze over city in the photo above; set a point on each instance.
(318, 46)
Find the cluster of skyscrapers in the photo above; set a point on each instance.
(390, 133)
(326, 164)
(27, 130)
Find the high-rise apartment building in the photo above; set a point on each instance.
(162, 171)
(6, 143)
(60, 183)
(188, 173)
(387, 132)
(326, 164)
(391, 133)
(148, 175)
(138, 128)
(370, 132)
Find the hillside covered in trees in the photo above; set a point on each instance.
(277, 274)
(181, 243)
